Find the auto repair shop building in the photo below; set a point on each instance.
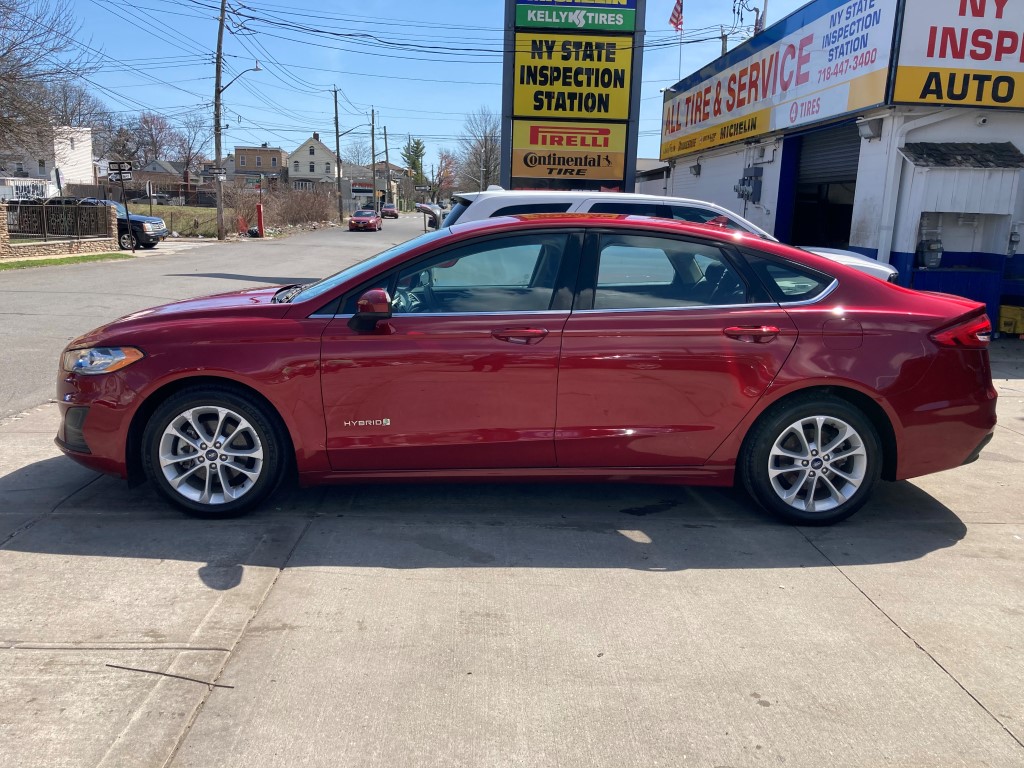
(890, 127)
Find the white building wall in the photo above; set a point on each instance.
(72, 153)
(721, 171)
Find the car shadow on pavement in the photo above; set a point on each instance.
(412, 526)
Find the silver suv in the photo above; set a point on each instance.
(473, 206)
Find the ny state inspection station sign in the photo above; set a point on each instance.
(571, 93)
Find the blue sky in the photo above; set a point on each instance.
(422, 65)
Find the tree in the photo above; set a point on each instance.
(412, 155)
(155, 136)
(357, 153)
(38, 50)
(480, 149)
(191, 141)
(444, 178)
(71, 104)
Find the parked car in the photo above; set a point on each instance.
(366, 218)
(154, 199)
(473, 206)
(147, 231)
(389, 211)
(544, 347)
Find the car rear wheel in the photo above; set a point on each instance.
(812, 461)
(126, 240)
(214, 452)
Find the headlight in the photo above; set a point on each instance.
(148, 226)
(99, 359)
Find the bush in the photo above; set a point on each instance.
(294, 206)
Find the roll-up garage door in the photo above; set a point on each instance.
(829, 156)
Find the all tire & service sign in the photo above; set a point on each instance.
(571, 94)
(829, 58)
(964, 53)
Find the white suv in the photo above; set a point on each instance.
(473, 206)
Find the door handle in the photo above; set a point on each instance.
(520, 335)
(752, 334)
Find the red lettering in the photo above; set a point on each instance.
(1006, 43)
(706, 111)
(977, 7)
(787, 77)
(755, 81)
(931, 42)
(741, 88)
(730, 100)
(981, 44)
(803, 59)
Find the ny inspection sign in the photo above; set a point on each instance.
(571, 94)
(964, 53)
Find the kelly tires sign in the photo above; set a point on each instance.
(571, 101)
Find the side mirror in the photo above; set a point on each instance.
(372, 307)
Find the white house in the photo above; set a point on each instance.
(312, 163)
(68, 149)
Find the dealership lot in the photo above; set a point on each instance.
(603, 625)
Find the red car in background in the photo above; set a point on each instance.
(389, 211)
(572, 347)
(365, 218)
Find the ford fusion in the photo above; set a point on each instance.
(544, 347)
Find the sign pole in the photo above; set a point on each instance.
(127, 213)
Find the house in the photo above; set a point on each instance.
(68, 150)
(312, 163)
(258, 161)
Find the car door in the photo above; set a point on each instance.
(669, 345)
(464, 375)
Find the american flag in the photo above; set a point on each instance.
(676, 19)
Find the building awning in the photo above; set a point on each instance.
(931, 154)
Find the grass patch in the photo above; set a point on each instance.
(187, 220)
(56, 261)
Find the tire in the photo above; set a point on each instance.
(783, 468)
(125, 241)
(183, 430)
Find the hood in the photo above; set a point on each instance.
(144, 219)
(251, 302)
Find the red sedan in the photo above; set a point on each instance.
(543, 347)
(366, 218)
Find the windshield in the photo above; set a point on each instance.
(121, 212)
(313, 290)
(363, 213)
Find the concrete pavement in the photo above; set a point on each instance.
(512, 625)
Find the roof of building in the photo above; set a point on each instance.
(933, 154)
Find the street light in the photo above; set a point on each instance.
(218, 89)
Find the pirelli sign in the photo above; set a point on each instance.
(571, 104)
(568, 151)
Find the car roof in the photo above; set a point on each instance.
(722, 235)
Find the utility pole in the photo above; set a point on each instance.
(337, 151)
(373, 154)
(216, 117)
(725, 40)
(387, 162)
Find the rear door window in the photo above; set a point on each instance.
(627, 209)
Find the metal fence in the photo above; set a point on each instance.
(31, 222)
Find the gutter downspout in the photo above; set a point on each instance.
(894, 173)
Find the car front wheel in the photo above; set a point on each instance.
(812, 461)
(126, 240)
(213, 451)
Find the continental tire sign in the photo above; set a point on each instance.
(964, 53)
(546, 150)
(570, 93)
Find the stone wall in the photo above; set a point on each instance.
(56, 248)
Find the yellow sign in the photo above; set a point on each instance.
(543, 149)
(577, 76)
(961, 53)
(959, 87)
(751, 124)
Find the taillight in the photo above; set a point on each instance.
(969, 334)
